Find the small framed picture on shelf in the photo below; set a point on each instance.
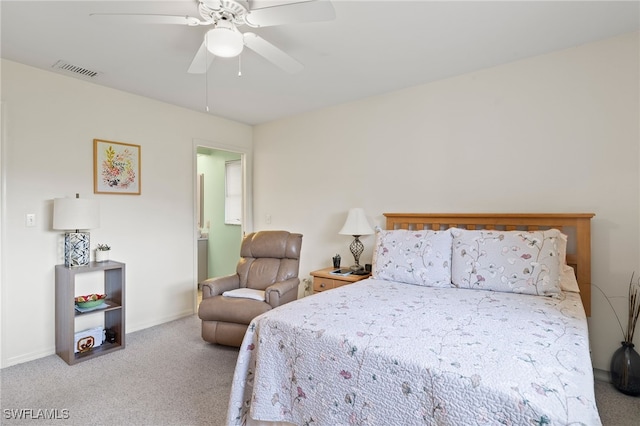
(116, 168)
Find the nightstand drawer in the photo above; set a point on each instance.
(324, 280)
(322, 284)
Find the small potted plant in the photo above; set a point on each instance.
(102, 252)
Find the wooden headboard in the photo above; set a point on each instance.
(576, 226)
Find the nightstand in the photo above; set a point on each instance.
(324, 280)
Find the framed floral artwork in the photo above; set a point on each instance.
(116, 168)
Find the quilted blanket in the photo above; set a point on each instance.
(384, 353)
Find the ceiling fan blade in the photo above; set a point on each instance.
(272, 53)
(292, 13)
(141, 18)
(202, 61)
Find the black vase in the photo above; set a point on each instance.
(625, 369)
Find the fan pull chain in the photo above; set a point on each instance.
(240, 65)
(206, 90)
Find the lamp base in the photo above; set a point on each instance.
(76, 249)
(356, 248)
(356, 268)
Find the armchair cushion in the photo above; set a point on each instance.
(268, 257)
(258, 273)
(231, 309)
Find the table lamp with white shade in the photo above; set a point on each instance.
(76, 216)
(356, 225)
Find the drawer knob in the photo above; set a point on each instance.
(322, 285)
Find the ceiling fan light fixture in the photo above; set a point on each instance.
(224, 40)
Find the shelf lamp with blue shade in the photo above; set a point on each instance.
(76, 216)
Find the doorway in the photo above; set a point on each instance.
(220, 210)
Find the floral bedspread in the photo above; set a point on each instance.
(384, 353)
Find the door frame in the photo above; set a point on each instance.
(247, 197)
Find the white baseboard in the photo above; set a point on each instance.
(27, 357)
(601, 375)
(132, 328)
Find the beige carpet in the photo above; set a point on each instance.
(167, 375)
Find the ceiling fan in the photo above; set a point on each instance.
(225, 16)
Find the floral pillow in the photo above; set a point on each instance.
(413, 257)
(507, 261)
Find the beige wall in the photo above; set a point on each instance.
(554, 133)
(49, 123)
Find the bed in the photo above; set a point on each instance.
(386, 352)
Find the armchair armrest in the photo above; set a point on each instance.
(282, 292)
(217, 286)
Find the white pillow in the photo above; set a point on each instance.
(562, 248)
(507, 261)
(413, 257)
(568, 281)
(245, 293)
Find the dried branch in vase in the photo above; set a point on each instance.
(634, 308)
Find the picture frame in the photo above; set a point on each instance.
(116, 168)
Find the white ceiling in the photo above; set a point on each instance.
(372, 47)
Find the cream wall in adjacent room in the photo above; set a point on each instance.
(49, 124)
(554, 133)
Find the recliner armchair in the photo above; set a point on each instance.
(269, 261)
